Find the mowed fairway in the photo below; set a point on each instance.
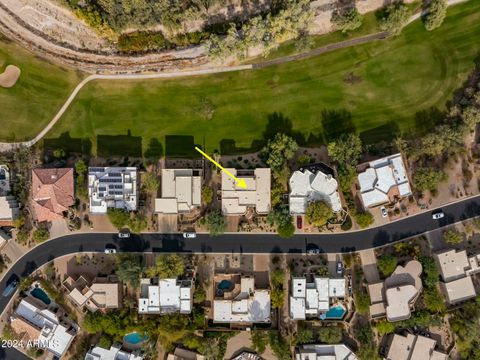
(40, 91)
(393, 80)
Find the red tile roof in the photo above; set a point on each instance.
(52, 193)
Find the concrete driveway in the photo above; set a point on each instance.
(369, 266)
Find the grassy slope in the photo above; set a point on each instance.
(40, 91)
(400, 77)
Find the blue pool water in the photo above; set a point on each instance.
(135, 338)
(225, 285)
(41, 295)
(336, 312)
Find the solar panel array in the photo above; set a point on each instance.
(109, 180)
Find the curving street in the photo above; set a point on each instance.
(245, 243)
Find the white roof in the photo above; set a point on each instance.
(306, 187)
(381, 177)
(324, 352)
(112, 187)
(249, 305)
(297, 308)
(235, 200)
(453, 264)
(170, 295)
(8, 208)
(52, 333)
(181, 191)
(458, 290)
(314, 298)
(114, 353)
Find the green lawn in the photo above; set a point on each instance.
(38, 94)
(375, 89)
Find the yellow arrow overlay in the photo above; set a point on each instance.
(240, 182)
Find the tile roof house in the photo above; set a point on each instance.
(397, 295)
(52, 193)
(413, 347)
(236, 200)
(384, 180)
(324, 352)
(181, 191)
(307, 186)
(100, 294)
(168, 296)
(312, 299)
(114, 353)
(34, 322)
(241, 302)
(112, 187)
(456, 270)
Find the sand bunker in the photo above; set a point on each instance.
(10, 76)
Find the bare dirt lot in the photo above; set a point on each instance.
(10, 76)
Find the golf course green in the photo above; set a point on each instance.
(376, 89)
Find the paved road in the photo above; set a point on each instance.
(234, 243)
(240, 243)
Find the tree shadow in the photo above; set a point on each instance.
(279, 123)
(383, 133)
(180, 146)
(119, 145)
(154, 149)
(336, 123)
(68, 144)
(229, 147)
(426, 120)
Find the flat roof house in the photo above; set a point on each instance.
(4, 179)
(308, 185)
(52, 193)
(324, 352)
(456, 270)
(181, 191)
(182, 354)
(165, 297)
(114, 353)
(396, 296)
(112, 187)
(100, 294)
(413, 347)
(312, 299)
(240, 303)
(33, 322)
(9, 210)
(236, 200)
(384, 180)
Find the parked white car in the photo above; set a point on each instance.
(384, 212)
(189, 235)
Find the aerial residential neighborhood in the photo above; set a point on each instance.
(239, 180)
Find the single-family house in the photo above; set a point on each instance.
(413, 347)
(112, 187)
(236, 200)
(181, 191)
(383, 181)
(310, 184)
(396, 296)
(237, 301)
(165, 296)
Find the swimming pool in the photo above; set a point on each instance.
(224, 285)
(336, 312)
(135, 338)
(41, 295)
